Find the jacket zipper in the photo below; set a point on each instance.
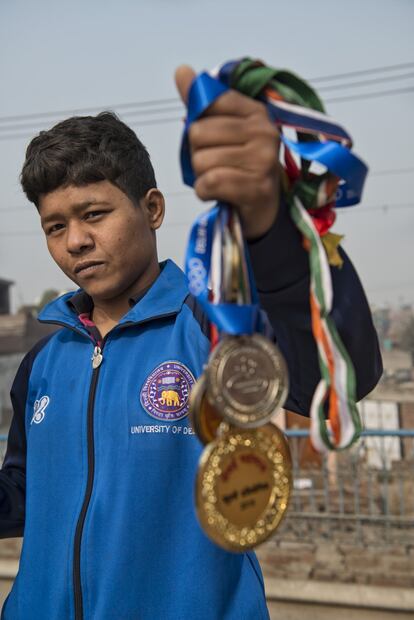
(77, 586)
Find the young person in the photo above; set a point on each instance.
(98, 474)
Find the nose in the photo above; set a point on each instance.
(78, 238)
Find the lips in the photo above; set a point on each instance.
(87, 267)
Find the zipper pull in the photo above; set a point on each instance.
(97, 357)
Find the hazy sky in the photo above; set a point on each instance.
(68, 56)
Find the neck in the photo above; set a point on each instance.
(108, 312)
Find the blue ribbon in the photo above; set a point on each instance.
(204, 90)
(230, 318)
(339, 160)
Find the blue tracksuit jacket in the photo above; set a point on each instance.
(100, 466)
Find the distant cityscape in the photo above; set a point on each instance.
(395, 328)
(394, 325)
(392, 399)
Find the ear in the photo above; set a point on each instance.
(154, 205)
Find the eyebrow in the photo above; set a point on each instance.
(76, 208)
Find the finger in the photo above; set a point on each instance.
(220, 157)
(256, 156)
(236, 104)
(227, 130)
(253, 156)
(231, 102)
(184, 75)
(215, 131)
(238, 187)
(254, 197)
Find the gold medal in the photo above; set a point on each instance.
(243, 486)
(247, 380)
(204, 418)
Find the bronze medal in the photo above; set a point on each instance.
(204, 418)
(247, 380)
(243, 486)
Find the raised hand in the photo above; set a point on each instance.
(235, 150)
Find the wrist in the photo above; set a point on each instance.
(278, 257)
(258, 221)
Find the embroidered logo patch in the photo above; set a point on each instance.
(166, 391)
(39, 409)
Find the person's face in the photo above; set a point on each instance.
(100, 239)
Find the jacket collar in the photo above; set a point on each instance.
(164, 298)
(82, 303)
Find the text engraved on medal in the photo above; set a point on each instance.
(243, 486)
(247, 380)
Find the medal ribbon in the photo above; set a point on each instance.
(290, 103)
(203, 269)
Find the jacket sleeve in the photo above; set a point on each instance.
(13, 471)
(281, 270)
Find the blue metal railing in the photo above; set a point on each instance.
(372, 432)
(361, 495)
(304, 432)
(365, 493)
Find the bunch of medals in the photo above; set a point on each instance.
(244, 477)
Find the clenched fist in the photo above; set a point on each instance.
(235, 153)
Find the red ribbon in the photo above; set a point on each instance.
(323, 218)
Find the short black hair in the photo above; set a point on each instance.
(87, 149)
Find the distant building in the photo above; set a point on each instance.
(400, 318)
(390, 324)
(397, 366)
(5, 296)
(18, 333)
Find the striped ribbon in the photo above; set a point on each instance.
(293, 103)
(337, 386)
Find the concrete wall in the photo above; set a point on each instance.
(339, 563)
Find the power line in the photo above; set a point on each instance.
(361, 210)
(161, 121)
(404, 65)
(179, 107)
(133, 113)
(75, 110)
(176, 100)
(383, 93)
(189, 193)
(367, 82)
(158, 121)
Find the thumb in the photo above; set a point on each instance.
(184, 75)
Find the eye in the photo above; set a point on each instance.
(54, 229)
(92, 215)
